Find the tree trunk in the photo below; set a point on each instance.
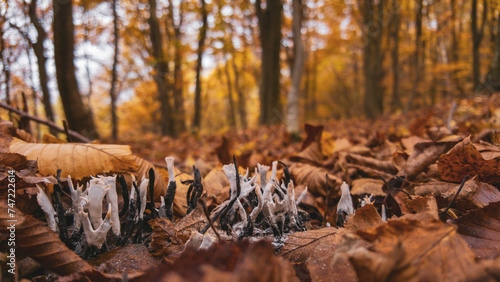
(4, 57)
(416, 64)
(39, 51)
(201, 46)
(270, 40)
(242, 107)
(454, 47)
(179, 112)
(162, 70)
(77, 113)
(372, 58)
(477, 37)
(112, 92)
(231, 108)
(494, 76)
(292, 122)
(396, 100)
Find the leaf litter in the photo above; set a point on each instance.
(249, 208)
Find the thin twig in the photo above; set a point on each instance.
(48, 123)
(456, 194)
(205, 210)
(66, 130)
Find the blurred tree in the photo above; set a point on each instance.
(373, 16)
(161, 72)
(78, 114)
(39, 50)
(179, 111)
(113, 93)
(201, 46)
(292, 121)
(477, 37)
(270, 41)
(395, 27)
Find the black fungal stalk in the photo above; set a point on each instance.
(123, 185)
(61, 218)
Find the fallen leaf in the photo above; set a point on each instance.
(367, 186)
(475, 194)
(385, 166)
(164, 237)
(224, 261)
(216, 184)
(130, 259)
(464, 159)
(414, 250)
(313, 177)
(365, 217)
(13, 160)
(315, 249)
(423, 155)
(36, 240)
(481, 230)
(77, 160)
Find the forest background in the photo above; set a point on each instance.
(129, 69)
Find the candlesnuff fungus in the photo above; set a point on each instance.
(95, 237)
(172, 186)
(47, 208)
(344, 207)
(76, 199)
(112, 198)
(143, 188)
(96, 191)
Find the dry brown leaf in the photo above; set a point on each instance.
(423, 155)
(475, 194)
(315, 248)
(365, 217)
(481, 230)
(77, 160)
(164, 237)
(313, 177)
(132, 259)
(36, 240)
(413, 250)
(367, 186)
(194, 221)
(243, 261)
(216, 184)
(143, 170)
(13, 160)
(49, 138)
(385, 166)
(464, 159)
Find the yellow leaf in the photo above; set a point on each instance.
(77, 160)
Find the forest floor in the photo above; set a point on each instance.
(421, 201)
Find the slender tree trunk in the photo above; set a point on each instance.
(112, 92)
(396, 100)
(199, 60)
(39, 51)
(477, 37)
(77, 113)
(179, 112)
(416, 64)
(293, 123)
(494, 76)
(454, 47)
(270, 40)
(162, 70)
(372, 58)
(241, 96)
(4, 57)
(232, 108)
